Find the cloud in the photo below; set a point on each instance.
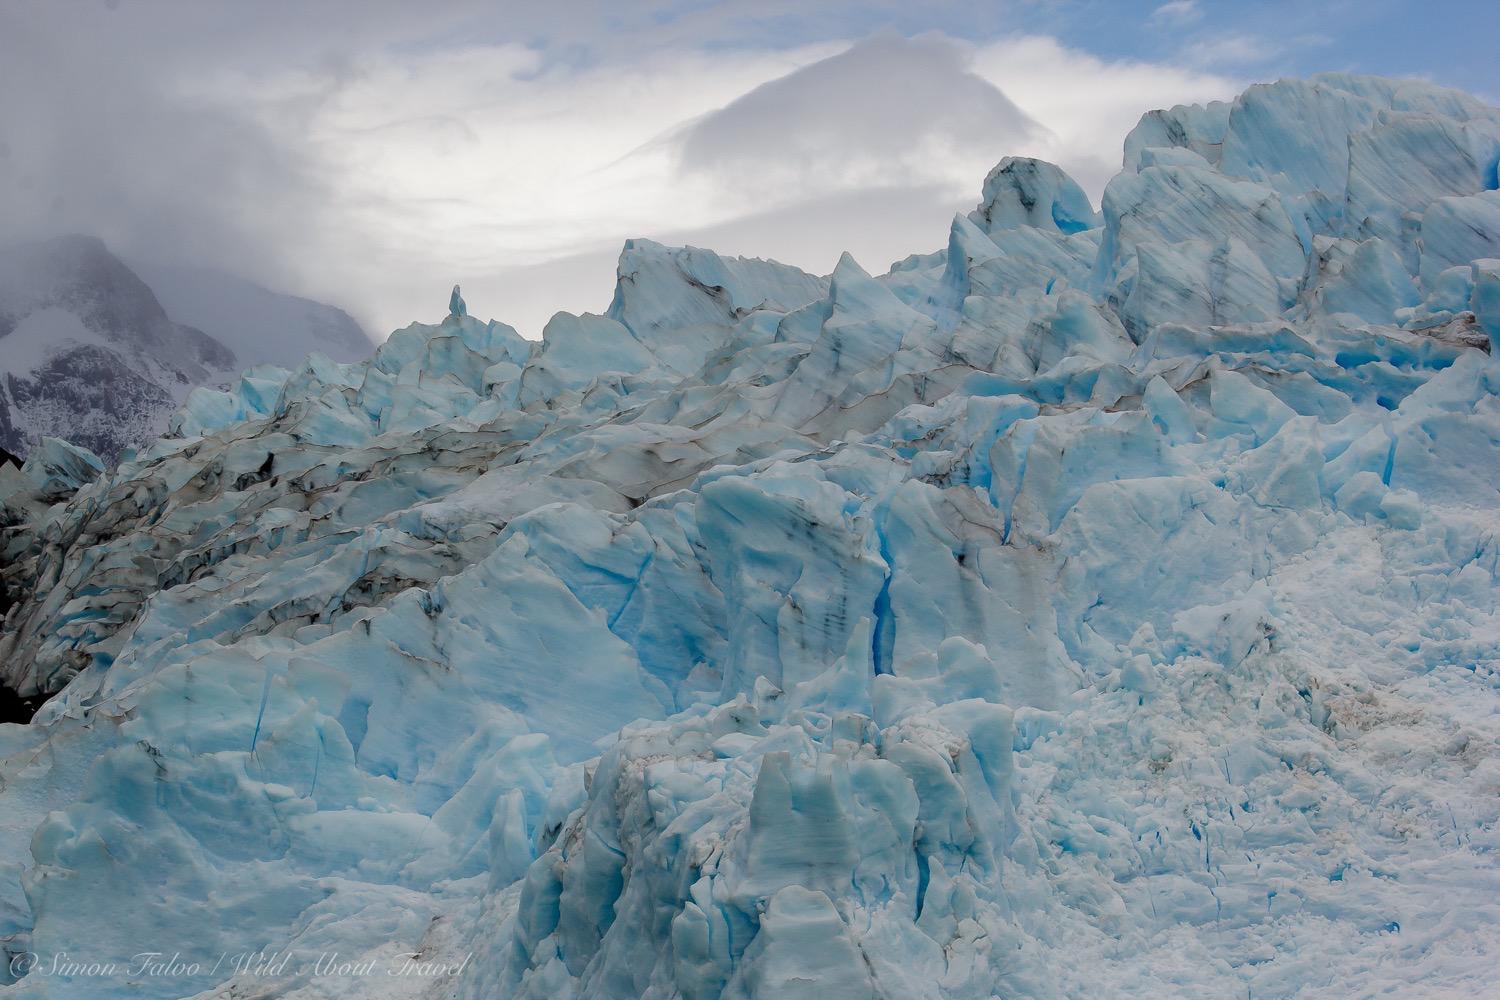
(1231, 50)
(1087, 103)
(357, 159)
(1249, 52)
(529, 163)
(371, 156)
(1178, 11)
(105, 148)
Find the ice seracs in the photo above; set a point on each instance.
(1100, 604)
(1022, 191)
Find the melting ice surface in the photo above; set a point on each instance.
(1104, 605)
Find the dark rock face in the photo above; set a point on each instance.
(13, 707)
(89, 396)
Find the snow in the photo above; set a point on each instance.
(90, 354)
(1100, 605)
(77, 382)
(41, 336)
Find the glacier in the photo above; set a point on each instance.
(1104, 604)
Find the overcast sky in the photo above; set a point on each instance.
(372, 153)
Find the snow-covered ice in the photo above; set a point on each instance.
(1102, 605)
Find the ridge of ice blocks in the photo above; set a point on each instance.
(1104, 604)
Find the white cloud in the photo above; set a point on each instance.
(794, 155)
(373, 161)
(1231, 50)
(454, 164)
(1089, 104)
(1179, 11)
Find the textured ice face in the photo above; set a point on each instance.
(1094, 606)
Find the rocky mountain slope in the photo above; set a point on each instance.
(86, 351)
(1102, 605)
(91, 353)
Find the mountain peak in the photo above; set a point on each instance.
(92, 352)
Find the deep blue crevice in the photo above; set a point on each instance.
(924, 876)
(883, 635)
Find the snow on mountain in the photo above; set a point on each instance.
(92, 353)
(87, 352)
(1098, 606)
(262, 327)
